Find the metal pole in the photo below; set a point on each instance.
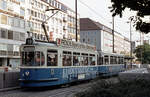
(76, 9)
(131, 43)
(141, 44)
(113, 34)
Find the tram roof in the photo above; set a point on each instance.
(61, 43)
(45, 43)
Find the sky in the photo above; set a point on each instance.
(98, 10)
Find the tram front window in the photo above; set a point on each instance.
(33, 59)
(28, 58)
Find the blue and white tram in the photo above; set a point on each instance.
(47, 64)
(110, 64)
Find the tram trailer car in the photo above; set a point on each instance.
(49, 64)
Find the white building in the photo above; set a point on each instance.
(12, 31)
(101, 36)
(17, 17)
(57, 26)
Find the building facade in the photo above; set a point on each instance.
(101, 36)
(17, 17)
(12, 31)
(61, 25)
(72, 25)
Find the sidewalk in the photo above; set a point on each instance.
(9, 89)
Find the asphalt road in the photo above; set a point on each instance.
(51, 91)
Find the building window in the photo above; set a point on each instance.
(39, 15)
(52, 3)
(39, 5)
(22, 12)
(3, 4)
(83, 40)
(22, 23)
(42, 6)
(22, 1)
(10, 34)
(42, 16)
(35, 14)
(10, 21)
(36, 3)
(3, 19)
(16, 22)
(16, 36)
(28, 24)
(4, 33)
(32, 13)
(22, 36)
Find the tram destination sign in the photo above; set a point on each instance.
(72, 44)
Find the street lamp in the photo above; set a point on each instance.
(130, 41)
(43, 23)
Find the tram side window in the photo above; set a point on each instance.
(119, 60)
(52, 58)
(106, 60)
(92, 59)
(111, 60)
(39, 58)
(76, 59)
(67, 59)
(84, 59)
(122, 61)
(115, 60)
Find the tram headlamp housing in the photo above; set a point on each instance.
(29, 41)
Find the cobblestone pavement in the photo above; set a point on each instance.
(49, 92)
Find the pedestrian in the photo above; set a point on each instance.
(9, 67)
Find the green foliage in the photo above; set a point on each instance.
(136, 88)
(143, 53)
(142, 7)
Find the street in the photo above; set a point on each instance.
(51, 92)
(46, 92)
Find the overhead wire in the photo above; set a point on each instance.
(93, 10)
(97, 13)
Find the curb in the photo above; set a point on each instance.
(9, 89)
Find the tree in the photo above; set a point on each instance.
(142, 7)
(142, 52)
